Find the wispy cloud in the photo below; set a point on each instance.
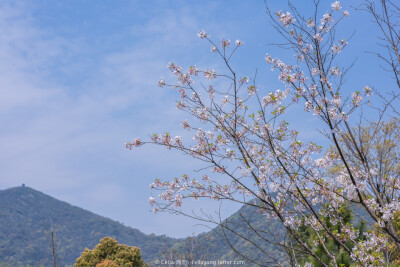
(69, 102)
(66, 112)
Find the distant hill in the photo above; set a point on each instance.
(214, 245)
(26, 213)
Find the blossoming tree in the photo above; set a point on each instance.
(240, 132)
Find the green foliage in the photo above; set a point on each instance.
(107, 263)
(108, 253)
(393, 251)
(215, 246)
(26, 214)
(308, 235)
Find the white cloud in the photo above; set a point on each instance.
(65, 137)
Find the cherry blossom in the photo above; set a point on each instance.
(135, 143)
(161, 83)
(210, 74)
(285, 18)
(202, 34)
(193, 70)
(225, 43)
(357, 98)
(318, 37)
(310, 23)
(336, 6)
(367, 90)
(239, 43)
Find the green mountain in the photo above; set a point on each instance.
(25, 215)
(238, 234)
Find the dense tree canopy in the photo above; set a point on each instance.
(108, 253)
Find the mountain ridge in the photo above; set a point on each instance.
(27, 213)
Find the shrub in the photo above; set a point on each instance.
(108, 253)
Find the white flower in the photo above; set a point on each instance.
(336, 100)
(239, 43)
(210, 74)
(161, 83)
(336, 49)
(225, 43)
(326, 18)
(225, 99)
(308, 106)
(336, 6)
(335, 71)
(344, 116)
(202, 34)
(310, 23)
(193, 70)
(368, 90)
(285, 18)
(152, 201)
(318, 37)
(357, 98)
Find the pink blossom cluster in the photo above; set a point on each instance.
(285, 18)
(368, 252)
(135, 143)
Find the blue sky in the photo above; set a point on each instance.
(79, 78)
